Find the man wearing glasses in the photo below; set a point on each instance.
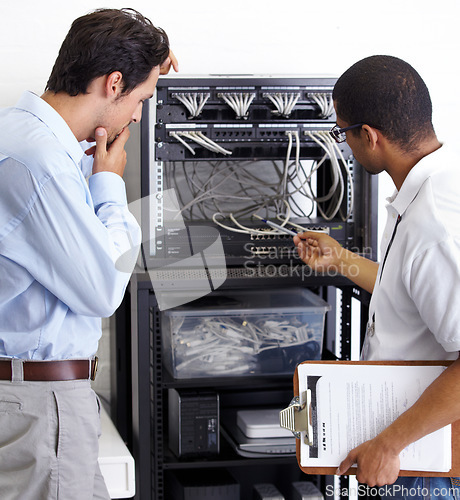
(384, 113)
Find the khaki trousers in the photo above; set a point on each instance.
(49, 441)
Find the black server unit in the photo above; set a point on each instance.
(217, 154)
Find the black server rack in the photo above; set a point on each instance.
(236, 146)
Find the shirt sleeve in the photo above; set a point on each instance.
(434, 287)
(72, 248)
(110, 204)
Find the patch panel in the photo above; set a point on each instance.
(219, 106)
(264, 141)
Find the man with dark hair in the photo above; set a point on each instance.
(105, 41)
(388, 94)
(384, 113)
(64, 224)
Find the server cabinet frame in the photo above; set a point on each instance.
(142, 381)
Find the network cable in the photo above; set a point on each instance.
(194, 102)
(239, 102)
(283, 101)
(231, 191)
(333, 153)
(200, 139)
(325, 103)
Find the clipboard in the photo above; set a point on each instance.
(295, 418)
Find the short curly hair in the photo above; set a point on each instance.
(104, 41)
(387, 93)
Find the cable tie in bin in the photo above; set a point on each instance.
(243, 333)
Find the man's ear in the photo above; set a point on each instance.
(372, 136)
(114, 84)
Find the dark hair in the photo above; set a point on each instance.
(105, 41)
(387, 93)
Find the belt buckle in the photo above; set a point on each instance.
(94, 364)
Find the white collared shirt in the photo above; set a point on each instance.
(416, 298)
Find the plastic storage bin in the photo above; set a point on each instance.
(243, 333)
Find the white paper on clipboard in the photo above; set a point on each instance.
(353, 403)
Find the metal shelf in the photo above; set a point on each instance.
(149, 383)
(266, 381)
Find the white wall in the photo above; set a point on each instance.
(257, 36)
(251, 36)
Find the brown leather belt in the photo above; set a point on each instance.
(52, 371)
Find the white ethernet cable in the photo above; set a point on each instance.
(291, 133)
(337, 179)
(286, 162)
(325, 102)
(346, 167)
(333, 152)
(339, 156)
(242, 229)
(297, 165)
(200, 139)
(249, 230)
(230, 228)
(239, 102)
(336, 174)
(194, 102)
(206, 193)
(302, 229)
(203, 98)
(178, 138)
(209, 190)
(283, 101)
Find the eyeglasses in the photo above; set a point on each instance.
(338, 134)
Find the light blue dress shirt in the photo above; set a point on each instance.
(60, 238)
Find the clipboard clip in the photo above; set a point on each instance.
(296, 418)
